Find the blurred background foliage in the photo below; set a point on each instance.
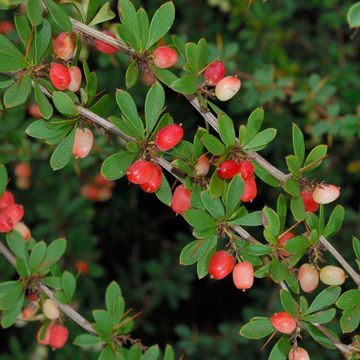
(297, 58)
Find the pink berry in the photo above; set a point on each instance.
(308, 277)
(298, 354)
(34, 111)
(60, 76)
(214, 73)
(15, 212)
(76, 77)
(6, 199)
(227, 169)
(227, 88)
(168, 137)
(82, 267)
(6, 223)
(30, 310)
(202, 166)
(50, 309)
(64, 46)
(326, 193)
(250, 190)
(59, 335)
(45, 340)
(6, 27)
(181, 200)
(154, 183)
(221, 264)
(103, 46)
(283, 322)
(281, 242)
(140, 172)
(165, 57)
(309, 204)
(246, 169)
(23, 230)
(22, 170)
(243, 275)
(332, 275)
(83, 143)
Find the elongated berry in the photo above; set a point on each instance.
(43, 334)
(227, 169)
(30, 310)
(60, 76)
(298, 354)
(64, 46)
(165, 57)
(326, 193)
(214, 73)
(281, 243)
(332, 275)
(227, 88)
(246, 169)
(6, 223)
(83, 143)
(103, 46)
(15, 212)
(22, 170)
(76, 77)
(250, 190)
(34, 111)
(202, 166)
(308, 277)
(168, 137)
(154, 183)
(181, 200)
(283, 322)
(50, 309)
(309, 203)
(221, 264)
(23, 230)
(243, 275)
(59, 335)
(140, 172)
(82, 267)
(6, 199)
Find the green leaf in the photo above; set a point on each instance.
(68, 285)
(297, 244)
(37, 256)
(348, 299)
(326, 298)
(55, 251)
(185, 85)
(3, 179)
(319, 337)
(353, 15)
(60, 17)
(321, 317)
(144, 25)
(18, 93)
(335, 221)
(132, 74)
(203, 263)
(292, 187)
(297, 208)
(278, 271)
(164, 75)
(104, 321)
(314, 157)
(199, 219)
(254, 122)
(34, 11)
(115, 166)
(216, 185)
(16, 244)
(281, 209)
(9, 317)
(169, 353)
(233, 194)
(86, 340)
(272, 221)
(281, 349)
(257, 328)
(288, 302)
(212, 205)
(293, 165)
(260, 140)
(152, 353)
(226, 130)
(63, 152)
(350, 319)
(265, 176)
(298, 143)
(257, 250)
(161, 23)
(130, 22)
(64, 104)
(10, 293)
(11, 59)
(113, 291)
(46, 110)
(213, 144)
(104, 14)
(164, 193)
(192, 252)
(154, 105)
(107, 354)
(42, 38)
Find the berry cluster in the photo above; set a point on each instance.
(98, 189)
(322, 194)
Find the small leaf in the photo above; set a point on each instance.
(226, 130)
(68, 285)
(321, 317)
(18, 93)
(64, 104)
(281, 349)
(34, 11)
(260, 140)
(335, 221)
(164, 193)
(132, 74)
(353, 15)
(233, 194)
(314, 157)
(86, 340)
(60, 17)
(115, 166)
(46, 110)
(3, 179)
(154, 105)
(257, 328)
(199, 219)
(37, 256)
(63, 152)
(104, 14)
(185, 85)
(298, 143)
(288, 302)
(213, 144)
(326, 298)
(349, 299)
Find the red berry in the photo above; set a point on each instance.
(59, 335)
(64, 46)
(326, 193)
(23, 230)
(82, 267)
(6, 27)
(227, 88)
(309, 204)
(283, 322)
(221, 264)
(202, 166)
(15, 212)
(6, 199)
(6, 223)
(103, 46)
(168, 137)
(34, 111)
(76, 77)
(308, 277)
(227, 169)
(214, 73)
(154, 183)
(32, 296)
(140, 172)
(60, 76)
(83, 143)
(45, 339)
(281, 242)
(243, 275)
(181, 200)
(165, 57)
(22, 170)
(246, 169)
(90, 192)
(250, 190)
(298, 354)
